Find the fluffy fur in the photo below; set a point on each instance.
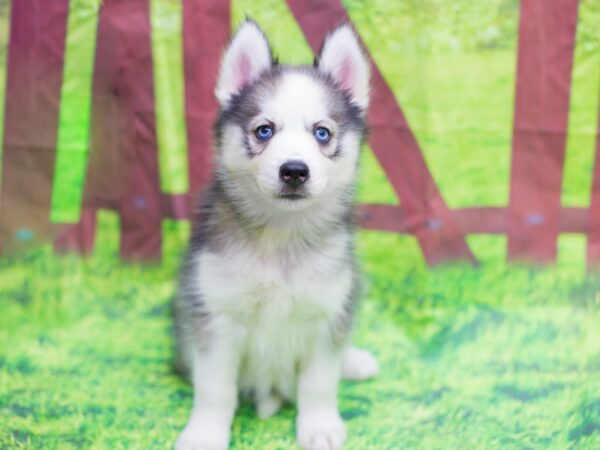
(270, 285)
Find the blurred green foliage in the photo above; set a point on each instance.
(496, 358)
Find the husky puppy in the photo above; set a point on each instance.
(269, 286)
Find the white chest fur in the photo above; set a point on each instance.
(277, 304)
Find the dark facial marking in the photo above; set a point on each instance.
(246, 105)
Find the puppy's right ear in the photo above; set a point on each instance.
(247, 56)
(343, 59)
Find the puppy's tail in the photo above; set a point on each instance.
(358, 364)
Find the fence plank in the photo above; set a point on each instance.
(396, 148)
(139, 207)
(4, 35)
(206, 26)
(79, 237)
(481, 220)
(593, 243)
(545, 59)
(35, 69)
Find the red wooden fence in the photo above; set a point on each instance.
(123, 166)
(33, 83)
(123, 123)
(593, 225)
(544, 66)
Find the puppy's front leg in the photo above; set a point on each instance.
(319, 425)
(214, 377)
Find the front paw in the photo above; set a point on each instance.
(203, 436)
(320, 430)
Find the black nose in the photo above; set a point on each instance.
(294, 173)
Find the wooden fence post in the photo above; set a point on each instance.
(35, 69)
(545, 60)
(593, 232)
(206, 28)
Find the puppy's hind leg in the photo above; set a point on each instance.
(358, 364)
(268, 405)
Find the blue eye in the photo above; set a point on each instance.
(322, 135)
(264, 132)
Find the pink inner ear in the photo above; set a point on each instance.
(243, 71)
(345, 75)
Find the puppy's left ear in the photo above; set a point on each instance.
(343, 59)
(247, 56)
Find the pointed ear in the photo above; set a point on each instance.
(247, 56)
(343, 59)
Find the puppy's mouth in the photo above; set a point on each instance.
(293, 196)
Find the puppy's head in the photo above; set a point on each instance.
(288, 135)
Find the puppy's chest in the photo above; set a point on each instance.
(275, 290)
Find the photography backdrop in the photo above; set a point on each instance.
(479, 201)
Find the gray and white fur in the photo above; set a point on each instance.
(269, 286)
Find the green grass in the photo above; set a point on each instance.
(498, 357)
